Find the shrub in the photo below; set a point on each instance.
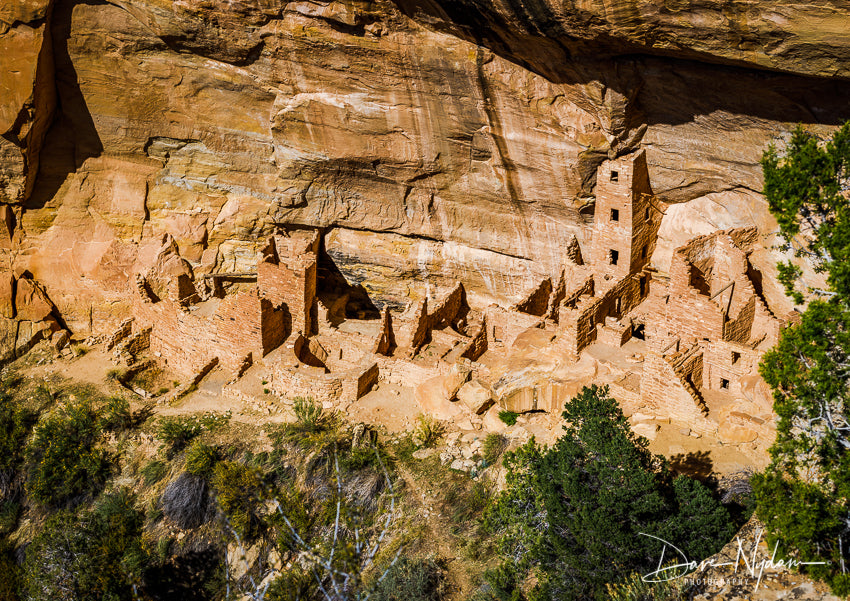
(115, 374)
(308, 413)
(16, 423)
(508, 417)
(116, 415)
(97, 554)
(154, 471)
(428, 431)
(9, 512)
(212, 421)
(294, 584)
(184, 501)
(411, 580)
(177, 432)
(10, 573)
(239, 493)
(634, 588)
(63, 457)
(493, 447)
(200, 459)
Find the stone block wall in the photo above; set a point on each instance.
(286, 274)
(292, 380)
(417, 321)
(385, 342)
(240, 324)
(536, 302)
(613, 333)
(504, 325)
(477, 344)
(625, 222)
(728, 361)
(662, 390)
(578, 325)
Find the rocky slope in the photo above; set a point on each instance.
(437, 140)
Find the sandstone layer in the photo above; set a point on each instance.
(433, 141)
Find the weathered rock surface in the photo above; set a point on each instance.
(432, 141)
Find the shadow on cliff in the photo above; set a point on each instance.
(73, 137)
(667, 88)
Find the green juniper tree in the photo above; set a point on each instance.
(573, 516)
(804, 493)
(806, 190)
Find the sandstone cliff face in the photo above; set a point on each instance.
(437, 141)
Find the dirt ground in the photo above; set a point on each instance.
(389, 408)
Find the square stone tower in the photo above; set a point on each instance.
(625, 221)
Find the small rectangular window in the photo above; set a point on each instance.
(614, 256)
(615, 215)
(615, 176)
(646, 214)
(735, 357)
(724, 384)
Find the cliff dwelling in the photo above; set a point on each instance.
(678, 348)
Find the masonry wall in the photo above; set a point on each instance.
(624, 220)
(241, 324)
(292, 283)
(537, 301)
(477, 344)
(578, 325)
(662, 391)
(292, 380)
(504, 325)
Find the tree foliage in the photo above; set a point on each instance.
(573, 515)
(806, 190)
(803, 495)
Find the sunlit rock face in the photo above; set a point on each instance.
(430, 141)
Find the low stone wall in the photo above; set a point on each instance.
(327, 388)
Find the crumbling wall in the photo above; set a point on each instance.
(613, 332)
(385, 342)
(536, 302)
(578, 325)
(417, 322)
(240, 324)
(666, 392)
(477, 344)
(286, 275)
(740, 328)
(504, 325)
(414, 330)
(451, 311)
(292, 380)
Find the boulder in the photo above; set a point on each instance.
(433, 396)
(491, 422)
(646, 429)
(475, 396)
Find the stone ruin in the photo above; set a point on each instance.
(692, 339)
